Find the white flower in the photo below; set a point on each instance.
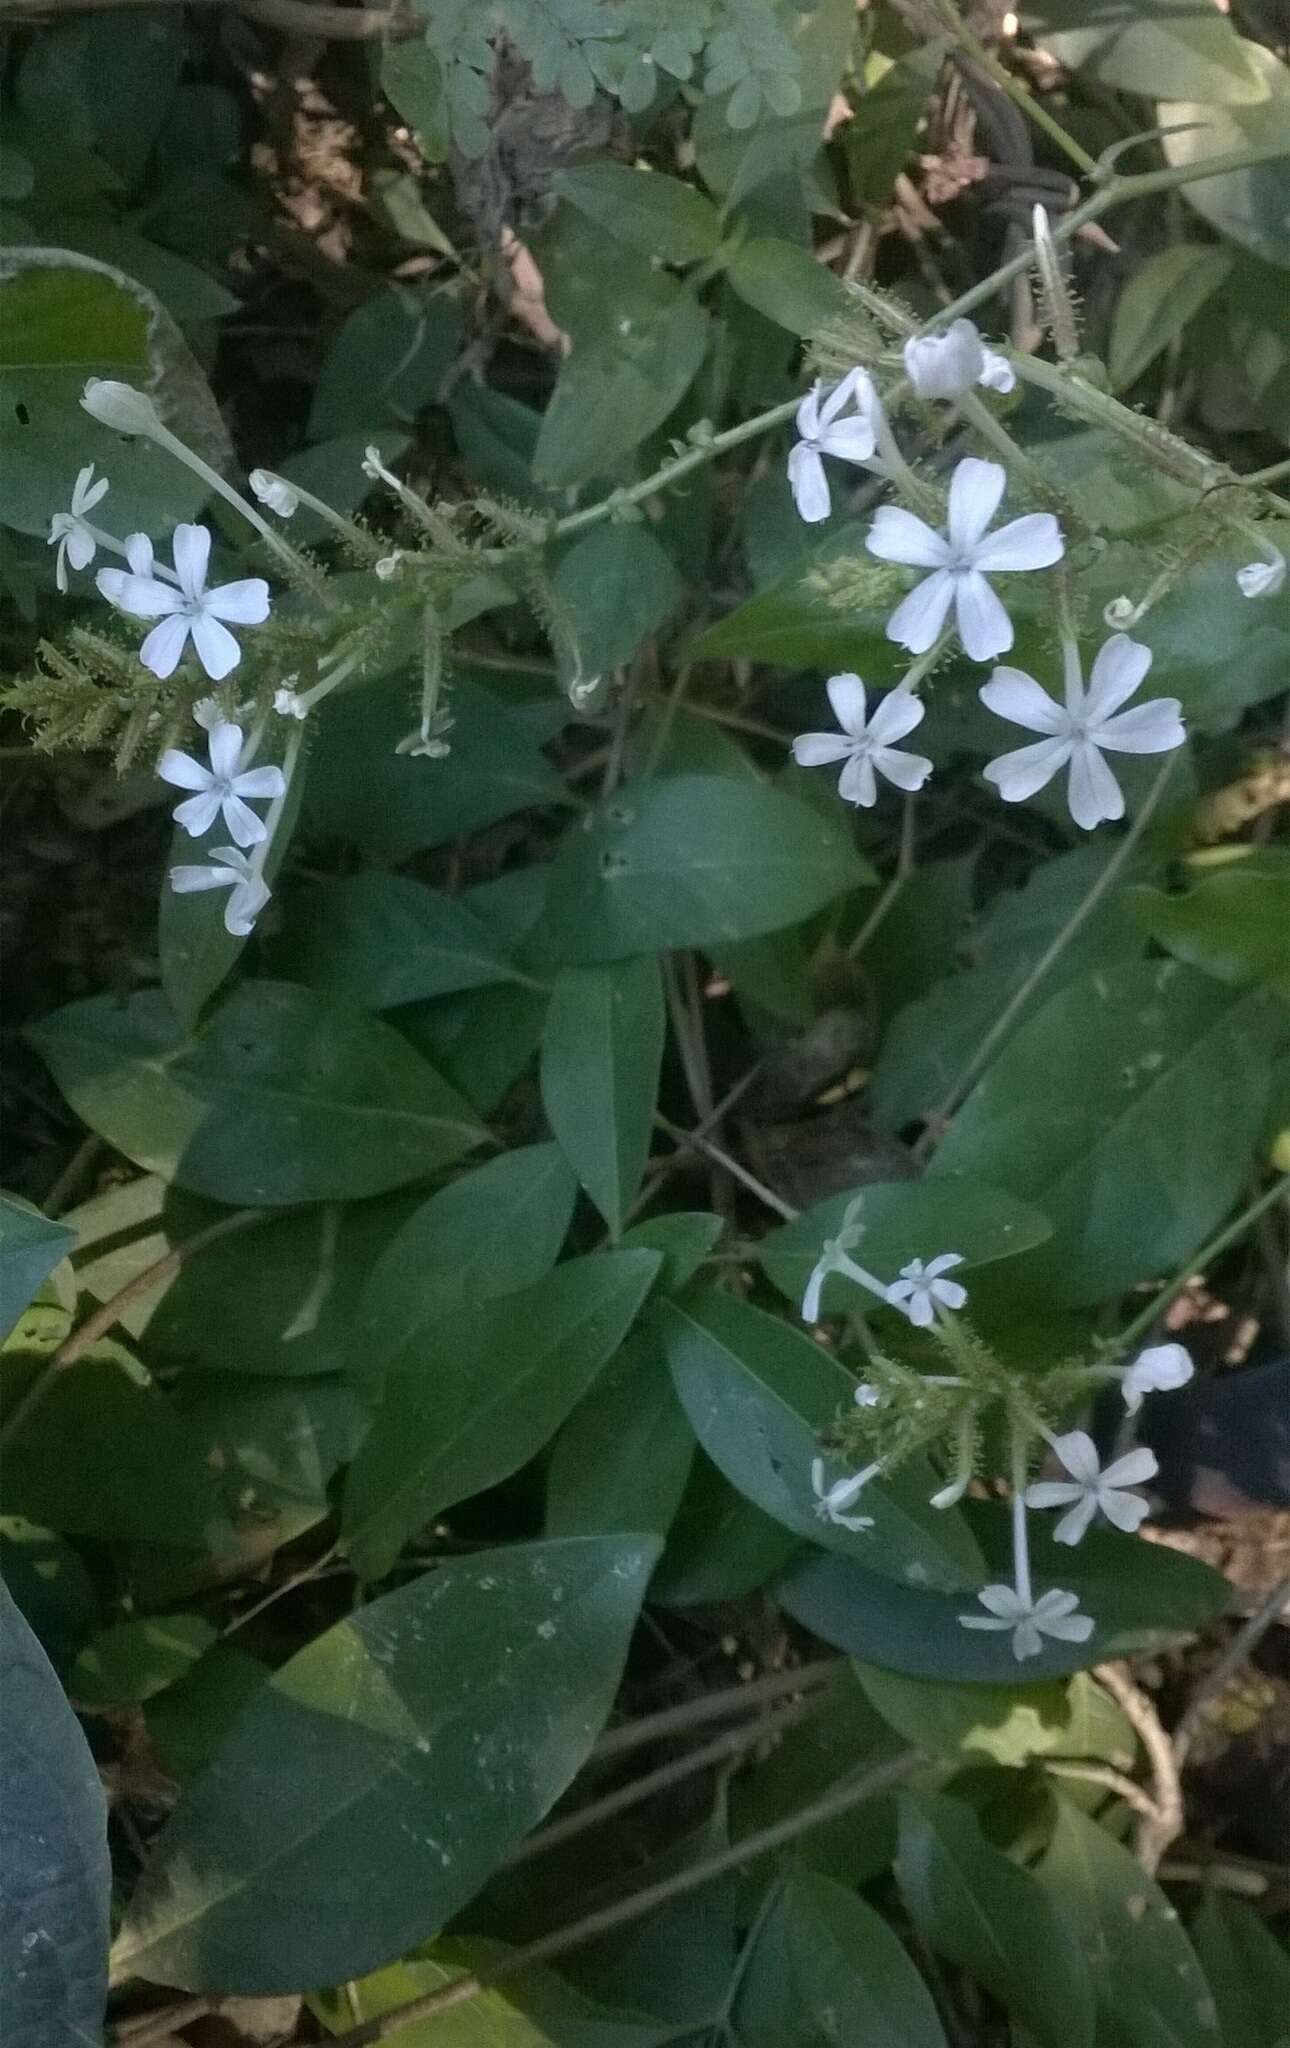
(949, 364)
(1090, 1489)
(248, 892)
(119, 406)
(220, 788)
(1262, 579)
(67, 530)
(1158, 1370)
(190, 609)
(1122, 612)
(920, 1287)
(388, 566)
(866, 746)
(835, 1258)
(274, 492)
(867, 1395)
(960, 559)
(1053, 1614)
(823, 432)
(832, 1502)
(1077, 733)
(288, 704)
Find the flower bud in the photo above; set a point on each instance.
(120, 407)
(1262, 579)
(1120, 614)
(274, 492)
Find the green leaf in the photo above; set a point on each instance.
(847, 1976)
(1216, 653)
(693, 860)
(617, 386)
(65, 318)
(792, 623)
(1128, 1110)
(493, 1230)
(719, 1546)
(1252, 207)
(659, 215)
(190, 1719)
(400, 803)
(388, 361)
(983, 1912)
(30, 1248)
(1141, 1962)
(602, 1047)
(103, 1456)
(1247, 1969)
(903, 1219)
(619, 586)
(786, 284)
(758, 1395)
(1233, 924)
(132, 1660)
(1141, 1597)
(1009, 1723)
(879, 141)
(504, 1377)
(55, 1927)
(279, 1098)
(1159, 298)
(625, 1452)
(840, 1732)
(1160, 49)
(362, 1756)
(51, 1585)
(684, 1236)
(380, 940)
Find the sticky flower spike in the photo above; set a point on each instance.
(1077, 733)
(960, 560)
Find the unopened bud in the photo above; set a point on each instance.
(120, 407)
(274, 491)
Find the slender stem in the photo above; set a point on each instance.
(273, 816)
(672, 472)
(904, 869)
(1271, 475)
(1200, 1261)
(695, 1143)
(716, 1706)
(1020, 1535)
(109, 1312)
(978, 414)
(1034, 112)
(348, 529)
(840, 1798)
(1047, 960)
(1114, 1781)
(282, 548)
(1156, 1832)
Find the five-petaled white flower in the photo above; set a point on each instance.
(67, 530)
(960, 560)
(1160, 1369)
(835, 1257)
(1053, 1614)
(1090, 1490)
(188, 609)
(1262, 579)
(221, 788)
(832, 1502)
(865, 745)
(1077, 732)
(825, 431)
(231, 870)
(920, 1287)
(949, 364)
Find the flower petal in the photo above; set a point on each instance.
(997, 373)
(185, 880)
(811, 1303)
(163, 649)
(1069, 1628)
(1019, 774)
(808, 413)
(899, 712)
(225, 748)
(849, 703)
(944, 1262)
(1012, 694)
(143, 597)
(244, 828)
(983, 1621)
(851, 440)
(242, 604)
(900, 536)
(984, 626)
(975, 490)
(817, 749)
(1075, 1525)
(80, 547)
(949, 1293)
(1002, 1600)
(191, 549)
(217, 650)
(840, 396)
(1053, 1493)
(1119, 669)
(944, 365)
(182, 772)
(1078, 1453)
(198, 813)
(1133, 1469)
(857, 783)
(1025, 1641)
(244, 906)
(919, 617)
(809, 485)
(138, 553)
(1092, 792)
(1124, 1511)
(259, 782)
(1153, 728)
(1032, 542)
(908, 771)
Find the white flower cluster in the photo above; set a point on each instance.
(957, 598)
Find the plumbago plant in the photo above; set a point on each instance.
(385, 1420)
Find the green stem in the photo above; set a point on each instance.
(1199, 1261)
(671, 472)
(1034, 112)
(1271, 475)
(1098, 407)
(1020, 1536)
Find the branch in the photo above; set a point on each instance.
(1160, 1829)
